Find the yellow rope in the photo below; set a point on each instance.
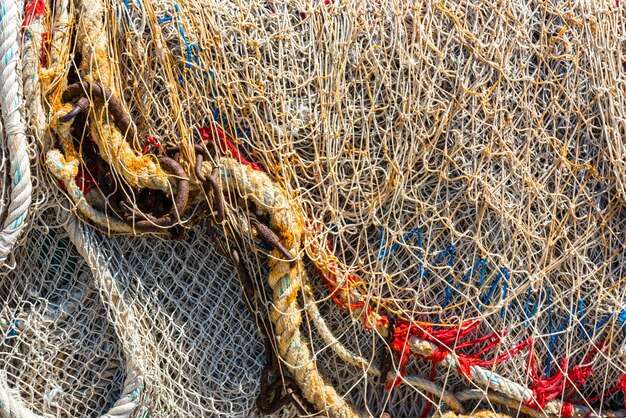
(285, 279)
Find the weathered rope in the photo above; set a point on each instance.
(82, 237)
(285, 279)
(508, 392)
(91, 34)
(66, 171)
(12, 100)
(31, 52)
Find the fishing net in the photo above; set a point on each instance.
(315, 208)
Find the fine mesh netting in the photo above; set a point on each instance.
(362, 206)
(64, 337)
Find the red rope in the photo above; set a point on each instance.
(32, 9)
(567, 409)
(445, 338)
(335, 289)
(150, 142)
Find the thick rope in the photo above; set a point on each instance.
(11, 101)
(31, 51)
(66, 171)
(285, 279)
(82, 237)
(138, 170)
(514, 393)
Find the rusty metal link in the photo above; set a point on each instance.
(82, 89)
(121, 119)
(270, 237)
(213, 181)
(271, 397)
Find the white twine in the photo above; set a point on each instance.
(81, 236)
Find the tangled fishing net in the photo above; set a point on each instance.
(316, 208)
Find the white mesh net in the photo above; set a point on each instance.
(448, 176)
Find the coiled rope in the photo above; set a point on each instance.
(11, 100)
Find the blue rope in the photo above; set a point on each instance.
(492, 289)
(127, 13)
(384, 253)
(448, 291)
(583, 328)
(189, 46)
(553, 335)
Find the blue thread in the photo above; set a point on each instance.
(553, 334)
(283, 280)
(581, 312)
(335, 228)
(420, 252)
(8, 56)
(18, 175)
(263, 245)
(492, 289)
(449, 250)
(505, 289)
(127, 13)
(603, 321)
(189, 46)
(529, 314)
(481, 281)
(551, 330)
(12, 329)
(384, 253)
(165, 19)
(135, 393)
(448, 291)
(19, 221)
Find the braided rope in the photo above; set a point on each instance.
(11, 405)
(31, 50)
(91, 34)
(66, 171)
(82, 237)
(508, 392)
(11, 101)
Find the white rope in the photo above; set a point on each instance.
(82, 237)
(11, 405)
(515, 393)
(11, 101)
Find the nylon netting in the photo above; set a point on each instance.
(447, 177)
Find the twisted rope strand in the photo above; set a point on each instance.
(11, 101)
